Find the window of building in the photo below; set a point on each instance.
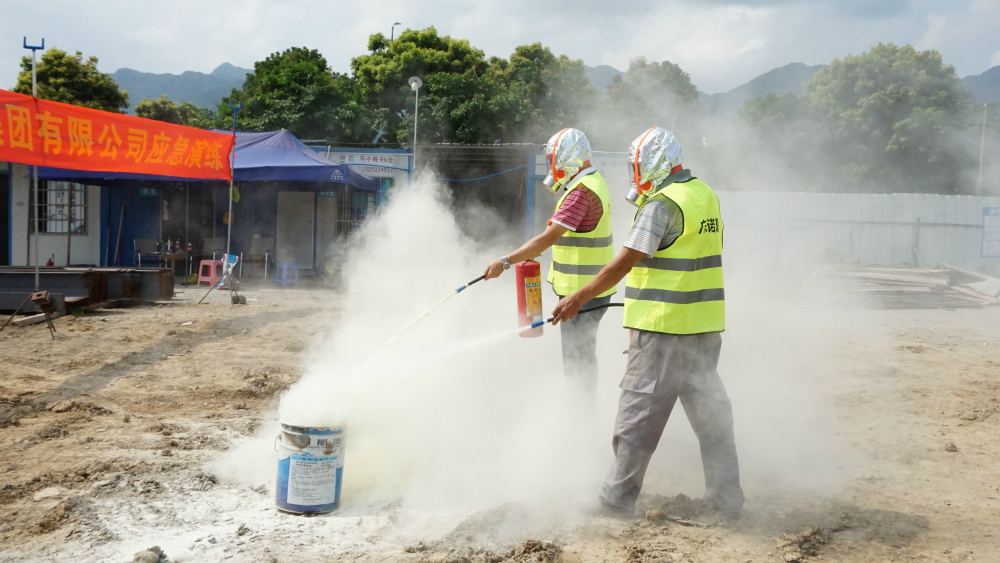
(357, 205)
(58, 202)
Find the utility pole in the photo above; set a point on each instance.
(34, 94)
(392, 32)
(232, 178)
(415, 84)
(982, 150)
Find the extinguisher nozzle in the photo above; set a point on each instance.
(537, 324)
(480, 278)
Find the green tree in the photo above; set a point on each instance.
(558, 88)
(293, 90)
(163, 109)
(897, 118)
(658, 93)
(72, 80)
(467, 108)
(381, 75)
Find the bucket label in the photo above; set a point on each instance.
(312, 480)
(533, 296)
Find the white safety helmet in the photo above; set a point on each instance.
(566, 153)
(652, 156)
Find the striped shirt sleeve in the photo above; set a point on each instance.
(580, 211)
(656, 227)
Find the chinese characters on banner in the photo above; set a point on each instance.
(59, 135)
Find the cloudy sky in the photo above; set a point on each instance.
(721, 43)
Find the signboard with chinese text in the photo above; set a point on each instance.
(372, 163)
(45, 133)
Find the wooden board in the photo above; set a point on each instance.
(35, 319)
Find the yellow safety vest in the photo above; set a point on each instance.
(578, 257)
(679, 290)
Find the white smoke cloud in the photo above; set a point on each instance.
(441, 422)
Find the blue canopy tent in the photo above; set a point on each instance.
(264, 162)
(269, 156)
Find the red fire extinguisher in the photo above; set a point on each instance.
(529, 296)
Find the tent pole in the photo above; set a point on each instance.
(187, 217)
(232, 178)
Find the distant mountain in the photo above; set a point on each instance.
(600, 76)
(203, 90)
(986, 86)
(789, 78)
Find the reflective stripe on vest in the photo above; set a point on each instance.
(578, 257)
(680, 289)
(577, 269)
(681, 264)
(585, 242)
(678, 297)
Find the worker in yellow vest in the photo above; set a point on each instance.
(675, 308)
(579, 233)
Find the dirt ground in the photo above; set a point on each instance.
(106, 434)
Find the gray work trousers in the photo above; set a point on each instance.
(662, 368)
(579, 348)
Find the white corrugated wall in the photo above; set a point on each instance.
(899, 229)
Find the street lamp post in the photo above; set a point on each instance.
(392, 32)
(415, 84)
(34, 94)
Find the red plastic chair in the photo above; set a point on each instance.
(209, 271)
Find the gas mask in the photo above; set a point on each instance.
(652, 157)
(566, 153)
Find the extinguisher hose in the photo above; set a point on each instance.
(479, 279)
(537, 324)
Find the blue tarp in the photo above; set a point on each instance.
(272, 156)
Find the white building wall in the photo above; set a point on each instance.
(85, 249)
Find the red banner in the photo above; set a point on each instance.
(59, 135)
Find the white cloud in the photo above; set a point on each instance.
(965, 34)
(721, 44)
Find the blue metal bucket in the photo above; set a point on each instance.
(310, 469)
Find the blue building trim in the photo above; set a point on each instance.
(322, 150)
(105, 223)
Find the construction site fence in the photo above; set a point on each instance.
(780, 230)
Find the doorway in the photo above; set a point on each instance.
(295, 229)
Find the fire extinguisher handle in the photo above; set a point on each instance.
(480, 278)
(585, 310)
